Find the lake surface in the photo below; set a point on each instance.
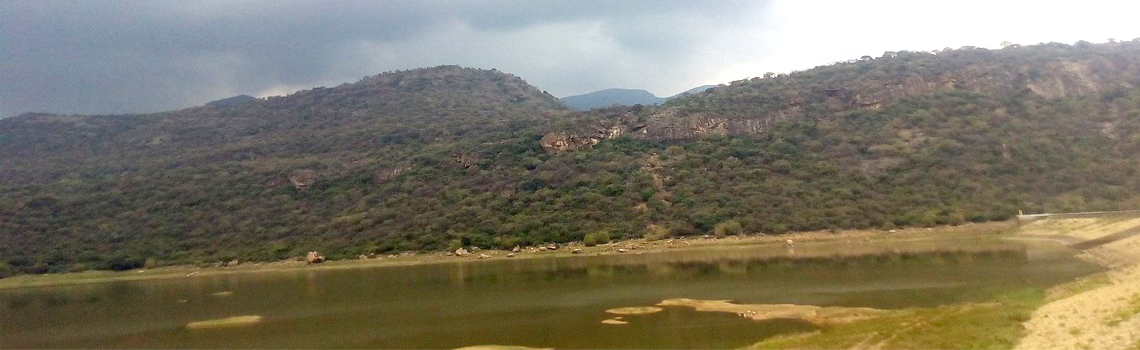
(546, 302)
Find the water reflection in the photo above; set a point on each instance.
(551, 302)
(690, 265)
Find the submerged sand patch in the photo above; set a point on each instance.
(499, 347)
(613, 321)
(222, 294)
(635, 310)
(760, 312)
(225, 322)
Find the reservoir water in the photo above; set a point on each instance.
(537, 302)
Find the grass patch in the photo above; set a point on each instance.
(1128, 312)
(995, 325)
(1079, 286)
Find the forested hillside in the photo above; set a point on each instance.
(435, 158)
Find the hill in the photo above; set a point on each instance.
(442, 157)
(258, 180)
(229, 101)
(693, 91)
(610, 97)
(910, 138)
(623, 97)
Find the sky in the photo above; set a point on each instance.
(114, 56)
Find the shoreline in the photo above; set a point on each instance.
(1096, 311)
(1101, 311)
(632, 246)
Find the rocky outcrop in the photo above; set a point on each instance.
(663, 126)
(465, 160)
(386, 175)
(314, 258)
(302, 179)
(1066, 78)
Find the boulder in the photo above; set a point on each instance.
(510, 255)
(552, 247)
(314, 258)
(461, 252)
(516, 249)
(576, 251)
(484, 256)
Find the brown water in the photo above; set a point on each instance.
(553, 302)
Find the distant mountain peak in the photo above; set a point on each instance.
(623, 97)
(610, 97)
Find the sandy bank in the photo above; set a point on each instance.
(225, 322)
(1105, 314)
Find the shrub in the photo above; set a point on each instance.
(596, 238)
(727, 228)
(454, 245)
(655, 232)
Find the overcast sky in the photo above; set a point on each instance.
(107, 56)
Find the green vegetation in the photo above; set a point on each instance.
(727, 228)
(1127, 312)
(444, 157)
(596, 238)
(994, 325)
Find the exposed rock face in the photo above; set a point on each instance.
(302, 179)
(1056, 79)
(664, 126)
(618, 126)
(1066, 79)
(385, 175)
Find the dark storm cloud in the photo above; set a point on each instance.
(141, 56)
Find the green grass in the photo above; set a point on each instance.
(1079, 286)
(995, 325)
